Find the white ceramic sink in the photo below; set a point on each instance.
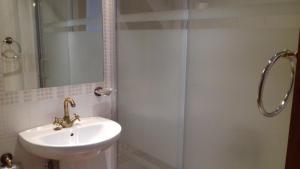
(85, 139)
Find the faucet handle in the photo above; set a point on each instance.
(57, 121)
(77, 117)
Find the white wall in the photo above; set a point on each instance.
(26, 109)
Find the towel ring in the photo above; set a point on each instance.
(7, 46)
(292, 57)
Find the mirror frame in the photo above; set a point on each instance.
(109, 32)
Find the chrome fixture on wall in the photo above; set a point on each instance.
(100, 91)
(292, 57)
(10, 49)
(11, 53)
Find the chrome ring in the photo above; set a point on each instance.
(8, 45)
(291, 56)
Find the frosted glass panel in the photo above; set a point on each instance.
(151, 62)
(89, 45)
(229, 44)
(71, 43)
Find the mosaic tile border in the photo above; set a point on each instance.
(31, 95)
(108, 7)
(109, 39)
(34, 95)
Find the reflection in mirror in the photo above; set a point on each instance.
(18, 57)
(53, 43)
(71, 42)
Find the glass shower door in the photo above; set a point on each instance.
(151, 83)
(230, 42)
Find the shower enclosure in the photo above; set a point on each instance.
(188, 74)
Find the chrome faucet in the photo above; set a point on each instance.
(66, 121)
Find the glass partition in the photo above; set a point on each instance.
(230, 42)
(188, 75)
(151, 79)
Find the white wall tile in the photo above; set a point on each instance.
(30, 108)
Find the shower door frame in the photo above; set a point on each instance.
(293, 151)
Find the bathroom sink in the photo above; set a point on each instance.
(85, 139)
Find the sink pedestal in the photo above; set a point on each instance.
(104, 160)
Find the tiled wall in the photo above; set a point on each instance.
(27, 109)
(21, 110)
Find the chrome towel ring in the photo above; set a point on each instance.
(10, 49)
(292, 57)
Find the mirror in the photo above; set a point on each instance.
(50, 43)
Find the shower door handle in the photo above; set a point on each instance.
(292, 57)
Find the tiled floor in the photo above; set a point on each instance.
(131, 158)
